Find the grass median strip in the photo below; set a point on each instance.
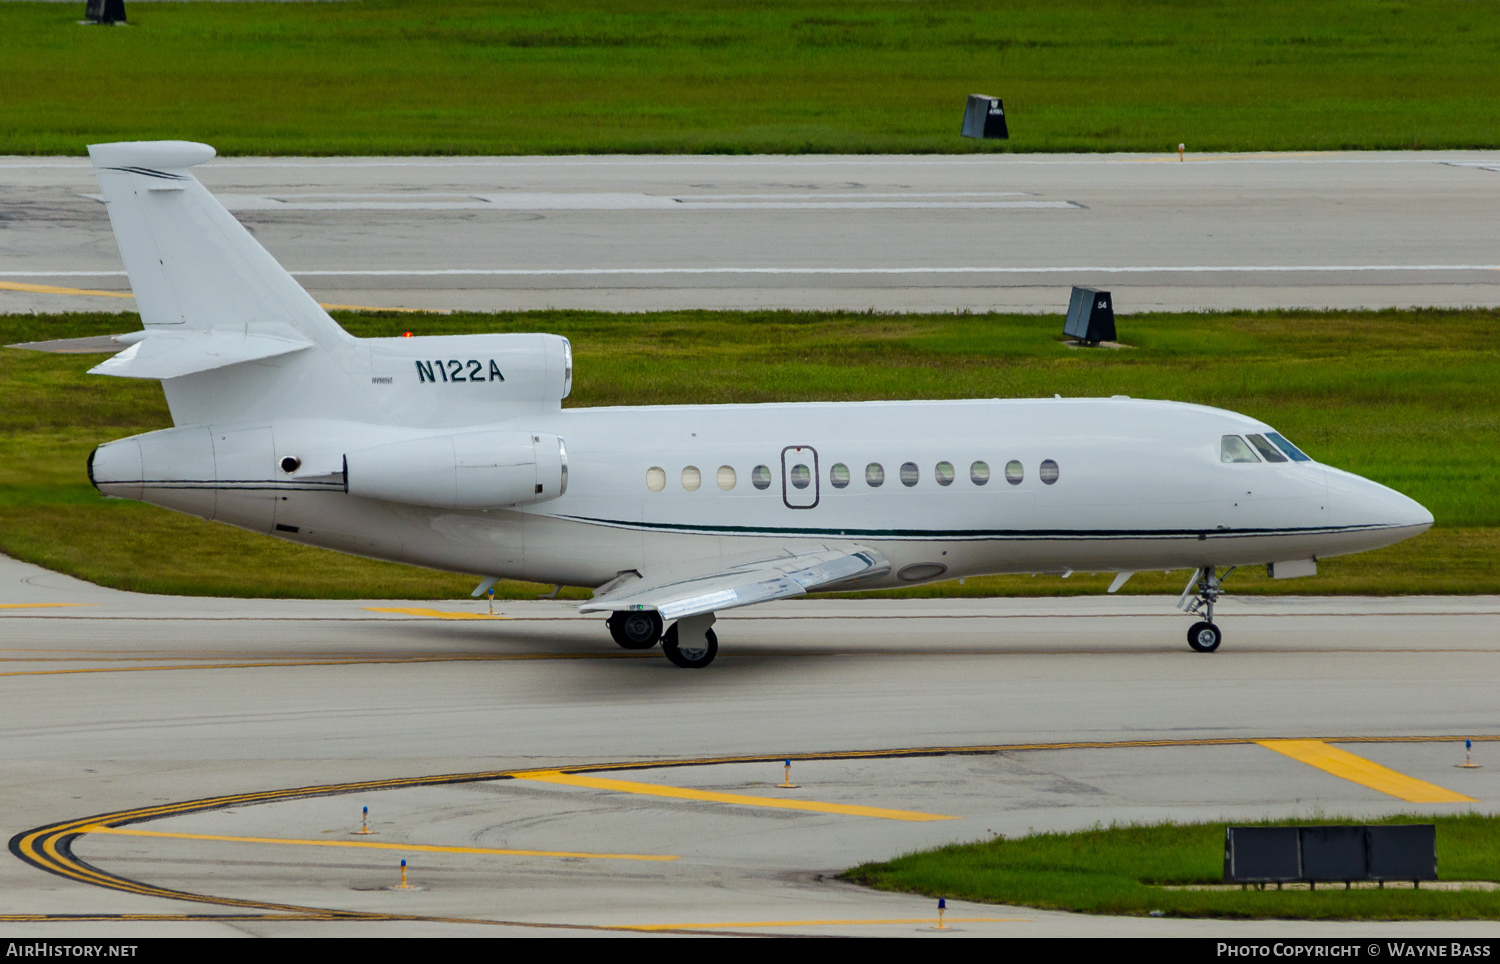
(702, 76)
(1137, 869)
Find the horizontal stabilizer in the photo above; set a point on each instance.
(770, 576)
(177, 353)
(92, 345)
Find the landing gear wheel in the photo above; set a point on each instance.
(1204, 637)
(696, 656)
(636, 630)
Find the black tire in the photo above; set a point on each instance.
(636, 630)
(1204, 637)
(695, 658)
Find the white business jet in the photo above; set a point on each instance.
(455, 452)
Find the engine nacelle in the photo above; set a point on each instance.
(467, 470)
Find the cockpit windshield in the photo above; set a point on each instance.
(1232, 448)
(1294, 453)
(1266, 449)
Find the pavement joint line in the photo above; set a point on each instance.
(1342, 763)
(274, 664)
(739, 799)
(527, 657)
(376, 845)
(49, 847)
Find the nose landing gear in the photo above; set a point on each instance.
(1204, 636)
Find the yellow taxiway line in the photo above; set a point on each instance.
(373, 845)
(96, 293)
(1342, 763)
(56, 290)
(434, 613)
(41, 605)
(685, 793)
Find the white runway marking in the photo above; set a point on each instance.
(935, 269)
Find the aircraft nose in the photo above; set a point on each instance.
(1357, 501)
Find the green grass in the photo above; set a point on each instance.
(644, 76)
(1409, 398)
(1120, 870)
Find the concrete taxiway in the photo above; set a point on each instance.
(890, 233)
(537, 779)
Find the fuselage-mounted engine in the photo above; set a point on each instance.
(466, 470)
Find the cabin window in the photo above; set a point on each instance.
(944, 473)
(909, 474)
(656, 478)
(1232, 448)
(979, 473)
(801, 476)
(874, 475)
(760, 477)
(691, 478)
(838, 476)
(726, 477)
(1294, 453)
(1014, 473)
(1048, 472)
(1266, 449)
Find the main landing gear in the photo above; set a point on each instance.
(636, 630)
(690, 642)
(1204, 636)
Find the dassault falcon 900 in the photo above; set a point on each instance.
(455, 452)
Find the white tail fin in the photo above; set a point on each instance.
(190, 262)
(235, 339)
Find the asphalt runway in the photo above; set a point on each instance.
(199, 765)
(997, 232)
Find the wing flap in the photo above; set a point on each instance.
(760, 579)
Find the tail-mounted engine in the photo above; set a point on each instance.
(468, 470)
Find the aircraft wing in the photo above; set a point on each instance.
(744, 581)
